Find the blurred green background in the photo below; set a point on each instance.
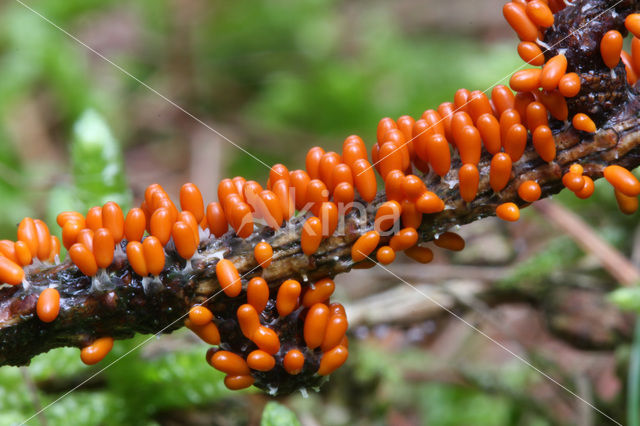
(275, 77)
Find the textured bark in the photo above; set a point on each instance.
(123, 306)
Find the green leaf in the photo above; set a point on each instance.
(277, 414)
(627, 298)
(97, 163)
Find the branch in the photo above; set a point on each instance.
(126, 307)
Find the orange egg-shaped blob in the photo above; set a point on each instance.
(540, 13)
(135, 255)
(627, 205)
(429, 202)
(385, 255)
(200, 315)
(332, 360)
(390, 158)
(238, 382)
(341, 173)
(248, 320)
(208, 332)
(84, 259)
(335, 331)
(293, 362)
(569, 85)
(508, 211)
(23, 254)
(587, 189)
(135, 224)
(329, 216)
(241, 219)
(529, 191)
(312, 162)
(315, 325)
(216, 219)
(94, 218)
(103, 247)
(405, 125)
(405, 238)
(469, 145)
(153, 255)
(226, 187)
(461, 100)
(583, 122)
(273, 214)
(384, 125)
(516, 16)
(188, 218)
(183, 240)
(459, 120)
(365, 180)
(446, 111)
(27, 232)
(411, 217)
(321, 291)
(317, 193)
(364, 245)
(536, 114)
(8, 250)
(67, 216)
(229, 363)
(469, 178)
(44, 239)
(622, 180)
(433, 121)
(228, 277)
(610, 48)
(478, 105)
(450, 241)
(413, 187)
(489, 130)
(387, 214)
(573, 181)
(544, 143)
(502, 98)
(283, 195)
(10, 272)
(439, 154)
(632, 76)
(263, 252)
(70, 232)
(353, 152)
(515, 141)
(85, 237)
(526, 80)
(311, 235)
(530, 53)
(113, 220)
(95, 352)
(393, 185)
(287, 298)
(556, 104)
(343, 195)
(299, 182)
(632, 22)
(279, 172)
(508, 118)
(258, 293)
(553, 71)
(260, 360)
(48, 305)
(191, 200)
(161, 225)
(267, 340)
(327, 163)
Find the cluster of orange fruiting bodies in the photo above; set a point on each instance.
(330, 187)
